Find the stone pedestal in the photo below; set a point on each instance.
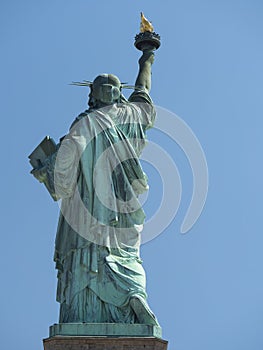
(104, 336)
(104, 343)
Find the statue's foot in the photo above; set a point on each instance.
(143, 312)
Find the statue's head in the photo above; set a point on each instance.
(106, 89)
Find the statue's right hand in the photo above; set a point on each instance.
(39, 174)
(147, 56)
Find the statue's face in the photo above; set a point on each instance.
(106, 88)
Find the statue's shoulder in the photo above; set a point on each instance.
(140, 95)
(81, 116)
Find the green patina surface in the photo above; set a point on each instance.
(97, 174)
(105, 329)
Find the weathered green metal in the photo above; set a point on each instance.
(96, 172)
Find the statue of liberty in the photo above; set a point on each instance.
(96, 172)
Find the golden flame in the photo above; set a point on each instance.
(146, 26)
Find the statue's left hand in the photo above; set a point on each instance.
(40, 174)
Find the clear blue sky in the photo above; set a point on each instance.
(206, 287)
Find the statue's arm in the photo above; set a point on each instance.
(143, 80)
(140, 95)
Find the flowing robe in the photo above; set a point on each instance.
(97, 174)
